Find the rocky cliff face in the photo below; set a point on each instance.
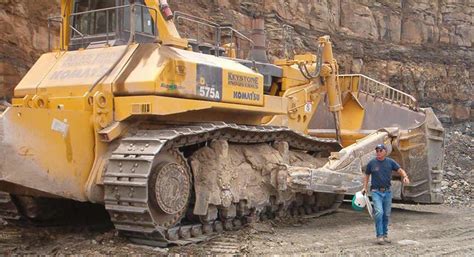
(23, 38)
(423, 47)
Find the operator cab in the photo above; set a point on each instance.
(98, 23)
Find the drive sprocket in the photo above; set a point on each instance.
(170, 188)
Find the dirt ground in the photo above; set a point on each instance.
(415, 230)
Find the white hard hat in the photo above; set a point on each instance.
(358, 201)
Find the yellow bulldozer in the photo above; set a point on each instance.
(180, 139)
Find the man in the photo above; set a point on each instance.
(380, 168)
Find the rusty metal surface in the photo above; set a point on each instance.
(421, 153)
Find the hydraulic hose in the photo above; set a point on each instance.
(304, 68)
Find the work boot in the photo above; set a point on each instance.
(380, 241)
(386, 240)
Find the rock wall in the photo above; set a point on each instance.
(423, 47)
(23, 38)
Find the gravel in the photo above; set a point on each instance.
(458, 165)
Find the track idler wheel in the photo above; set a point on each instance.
(170, 189)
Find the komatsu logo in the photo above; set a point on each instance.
(246, 96)
(78, 73)
(242, 81)
(84, 65)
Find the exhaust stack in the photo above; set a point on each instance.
(259, 52)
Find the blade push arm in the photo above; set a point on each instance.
(343, 172)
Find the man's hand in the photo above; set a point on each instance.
(406, 180)
(404, 175)
(363, 191)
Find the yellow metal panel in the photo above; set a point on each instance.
(352, 114)
(174, 72)
(48, 150)
(152, 70)
(76, 71)
(292, 77)
(178, 78)
(302, 104)
(69, 103)
(36, 74)
(205, 59)
(161, 105)
(217, 65)
(66, 9)
(140, 73)
(293, 73)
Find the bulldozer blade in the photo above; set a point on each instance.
(418, 145)
(39, 161)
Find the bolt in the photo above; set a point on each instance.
(136, 164)
(147, 145)
(133, 170)
(120, 164)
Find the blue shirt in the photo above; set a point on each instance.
(381, 172)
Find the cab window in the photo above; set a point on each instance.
(109, 21)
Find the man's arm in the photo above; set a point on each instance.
(404, 176)
(366, 183)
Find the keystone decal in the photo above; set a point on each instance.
(242, 81)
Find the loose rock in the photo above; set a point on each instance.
(457, 183)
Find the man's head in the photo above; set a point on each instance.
(380, 151)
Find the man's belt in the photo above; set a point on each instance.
(381, 189)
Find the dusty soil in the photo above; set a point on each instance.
(424, 230)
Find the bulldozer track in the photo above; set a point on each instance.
(130, 167)
(8, 209)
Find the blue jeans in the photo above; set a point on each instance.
(382, 209)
